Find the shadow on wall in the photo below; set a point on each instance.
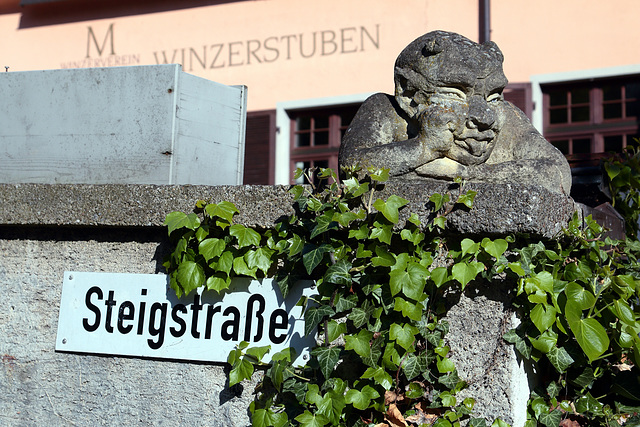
(36, 13)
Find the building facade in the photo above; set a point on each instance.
(573, 65)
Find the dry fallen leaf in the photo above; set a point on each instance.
(394, 416)
(569, 423)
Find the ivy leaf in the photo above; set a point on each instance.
(403, 335)
(355, 188)
(312, 255)
(279, 371)
(496, 247)
(521, 344)
(258, 353)
(360, 315)
(543, 316)
(390, 208)
(559, 358)
(266, 418)
(464, 272)
(218, 283)
(517, 268)
(314, 315)
(587, 403)
(380, 376)
(545, 342)
(260, 258)
(439, 275)
(324, 223)
(335, 329)
(438, 201)
(440, 221)
(332, 405)
(360, 399)
(468, 246)
(450, 380)
(328, 358)
(296, 245)
(382, 232)
(591, 336)
(307, 419)
(211, 248)
(176, 220)
(411, 310)
(360, 234)
(551, 419)
(586, 378)
(445, 365)
(242, 369)
(624, 313)
(359, 343)
(224, 210)
(343, 303)
(383, 258)
(477, 422)
(338, 273)
(411, 281)
(467, 198)
(246, 236)
(414, 365)
(241, 268)
(190, 276)
(225, 262)
(579, 296)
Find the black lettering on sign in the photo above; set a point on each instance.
(87, 300)
(157, 331)
(121, 316)
(179, 320)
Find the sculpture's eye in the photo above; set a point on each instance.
(452, 92)
(495, 97)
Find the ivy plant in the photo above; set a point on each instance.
(382, 357)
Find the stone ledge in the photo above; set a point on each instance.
(498, 209)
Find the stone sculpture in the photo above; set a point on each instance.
(448, 118)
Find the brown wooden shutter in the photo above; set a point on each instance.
(519, 94)
(259, 149)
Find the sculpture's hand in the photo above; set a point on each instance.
(435, 134)
(445, 168)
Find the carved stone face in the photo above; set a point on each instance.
(466, 112)
(453, 87)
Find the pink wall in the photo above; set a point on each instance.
(257, 43)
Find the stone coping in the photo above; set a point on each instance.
(498, 209)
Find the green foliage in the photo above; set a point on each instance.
(623, 173)
(581, 333)
(383, 356)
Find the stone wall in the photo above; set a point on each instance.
(47, 229)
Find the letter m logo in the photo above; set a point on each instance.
(100, 48)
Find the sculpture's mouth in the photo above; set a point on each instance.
(476, 143)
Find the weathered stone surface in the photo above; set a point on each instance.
(47, 229)
(133, 205)
(496, 378)
(498, 209)
(448, 118)
(42, 387)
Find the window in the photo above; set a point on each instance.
(585, 118)
(316, 136)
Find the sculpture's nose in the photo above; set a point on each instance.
(480, 114)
